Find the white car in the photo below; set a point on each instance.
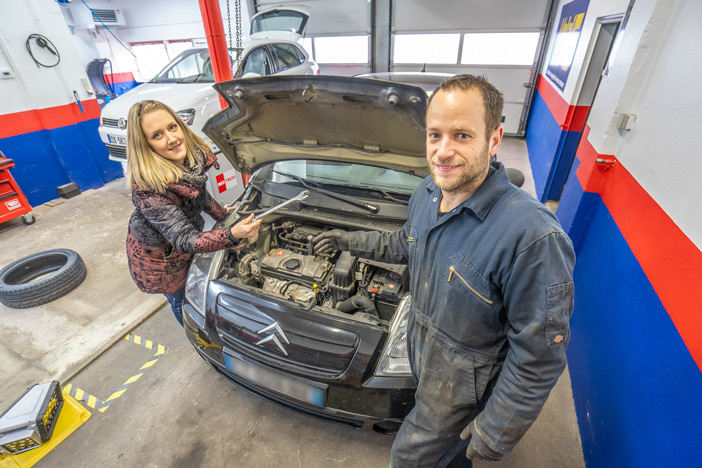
(185, 85)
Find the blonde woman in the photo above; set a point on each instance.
(166, 170)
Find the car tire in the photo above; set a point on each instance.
(57, 272)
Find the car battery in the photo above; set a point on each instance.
(386, 289)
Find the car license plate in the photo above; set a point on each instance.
(117, 140)
(274, 381)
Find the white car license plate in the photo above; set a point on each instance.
(117, 140)
(274, 381)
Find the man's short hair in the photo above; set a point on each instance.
(492, 98)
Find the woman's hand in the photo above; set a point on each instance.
(246, 229)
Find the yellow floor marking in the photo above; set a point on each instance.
(116, 395)
(132, 379)
(94, 402)
(149, 364)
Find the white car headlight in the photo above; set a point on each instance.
(196, 283)
(394, 361)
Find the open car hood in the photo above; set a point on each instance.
(332, 118)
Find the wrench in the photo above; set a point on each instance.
(300, 196)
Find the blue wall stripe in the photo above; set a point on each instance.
(47, 159)
(635, 385)
(544, 140)
(564, 161)
(551, 150)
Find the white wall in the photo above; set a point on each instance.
(656, 77)
(32, 87)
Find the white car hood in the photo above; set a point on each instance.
(333, 118)
(179, 96)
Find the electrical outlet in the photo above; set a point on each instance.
(626, 121)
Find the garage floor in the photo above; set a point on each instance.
(179, 412)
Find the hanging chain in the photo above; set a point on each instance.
(237, 7)
(229, 23)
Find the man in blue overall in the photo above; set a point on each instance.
(491, 277)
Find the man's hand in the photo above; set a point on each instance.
(331, 240)
(477, 448)
(246, 229)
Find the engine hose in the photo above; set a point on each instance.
(353, 303)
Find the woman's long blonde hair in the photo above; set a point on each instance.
(145, 167)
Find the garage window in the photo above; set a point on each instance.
(341, 49)
(426, 48)
(499, 48)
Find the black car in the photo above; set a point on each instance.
(321, 334)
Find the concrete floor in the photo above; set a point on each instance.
(180, 412)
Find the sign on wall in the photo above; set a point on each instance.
(569, 27)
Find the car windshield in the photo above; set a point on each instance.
(192, 66)
(344, 174)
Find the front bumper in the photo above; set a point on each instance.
(115, 140)
(377, 403)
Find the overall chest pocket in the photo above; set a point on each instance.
(468, 308)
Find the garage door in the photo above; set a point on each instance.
(500, 39)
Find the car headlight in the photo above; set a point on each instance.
(188, 116)
(196, 283)
(394, 361)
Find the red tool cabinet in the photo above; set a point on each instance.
(12, 201)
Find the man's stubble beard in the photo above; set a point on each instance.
(469, 177)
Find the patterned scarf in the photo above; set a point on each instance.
(196, 175)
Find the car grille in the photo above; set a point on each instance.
(117, 151)
(314, 349)
(110, 122)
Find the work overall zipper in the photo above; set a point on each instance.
(453, 270)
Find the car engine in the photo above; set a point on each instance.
(281, 262)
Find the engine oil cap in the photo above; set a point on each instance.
(292, 264)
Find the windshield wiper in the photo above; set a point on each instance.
(350, 200)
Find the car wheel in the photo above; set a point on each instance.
(40, 278)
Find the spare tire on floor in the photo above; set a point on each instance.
(40, 278)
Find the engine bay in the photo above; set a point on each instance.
(281, 262)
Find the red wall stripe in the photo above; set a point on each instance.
(570, 118)
(119, 77)
(670, 260)
(49, 118)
